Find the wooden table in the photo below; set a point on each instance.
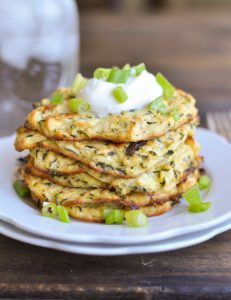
(194, 51)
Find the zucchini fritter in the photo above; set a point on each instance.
(57, 122)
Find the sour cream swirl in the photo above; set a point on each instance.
(140, 90)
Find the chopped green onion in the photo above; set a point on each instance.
(136, 218)
(118, 76)
(21, 189)
(120, 94)
(204, 182)
(50, 210)
(127, 67)
(78, 83)
(79, 105)
(193, 195)
(63, 214)
(203, 206)
(114, 216)
(159, 105)
(168, 88)
(57, 98)
(138, 69)
(106, 211)
(101, 73)
(176, 114)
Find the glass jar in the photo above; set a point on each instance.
(39, 51)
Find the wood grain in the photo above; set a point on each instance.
(198, 272)
(194, 51)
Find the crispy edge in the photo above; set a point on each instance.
(46, 175)
(128, 200)
(31, 163)
(33, 123)
(96, 214)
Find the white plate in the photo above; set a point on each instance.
(178, 221)
(109, 250)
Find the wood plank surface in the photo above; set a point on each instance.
(198, 272)
(194, 51)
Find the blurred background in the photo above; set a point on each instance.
(43, 44)
(188, 40)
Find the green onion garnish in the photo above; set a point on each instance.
(175, 113)
(102, 73)
(21, 189)
(159, 105)
(203, 206)
(57, 98)
(204, 182)
(79, 105)
(139, 69)
(136, 218)
(126, 67)
(78, 83)
(113, 216)
(193, 197)
(118, 76)
(63, 214)
(168, 88)
(120, 94)
(106, 211)
(50, 210)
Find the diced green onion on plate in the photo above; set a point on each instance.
(193, 198)
(21, 189)
(204, 182)
(63, 214)
(78, 83)
(50, 210)
(57, 98)
(120, 94)
(203, 206)
(136, 218)
(168, 88)
(79, 105)
(193, 195)
(113, 216)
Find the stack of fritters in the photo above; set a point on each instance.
(141, 159)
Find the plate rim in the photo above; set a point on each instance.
(126, 239)
(17, 234)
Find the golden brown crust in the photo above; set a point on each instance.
(57, 123)
(53, 163)
(79, 180)
(114, 159)
(95, 214)
(45, 190)
(27, 139)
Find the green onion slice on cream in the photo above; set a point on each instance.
(119, 94)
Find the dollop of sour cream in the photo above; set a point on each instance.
(140, 90)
